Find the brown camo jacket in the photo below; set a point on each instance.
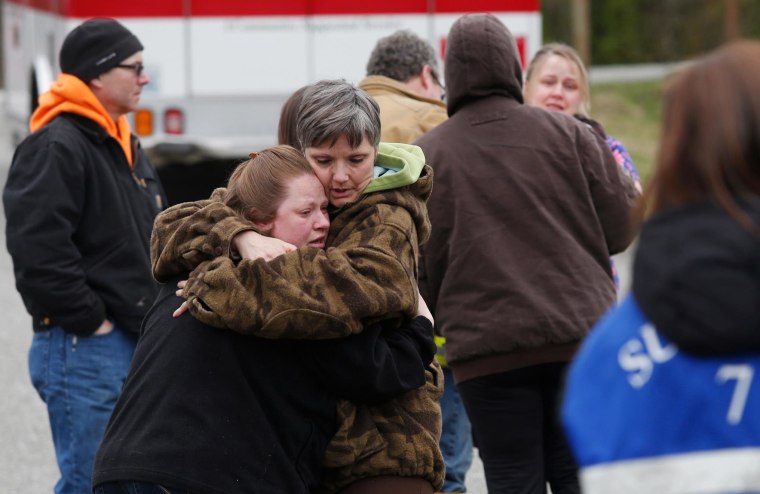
(368, 272)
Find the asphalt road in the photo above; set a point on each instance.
(27, 460)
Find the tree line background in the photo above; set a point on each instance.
(652, 31)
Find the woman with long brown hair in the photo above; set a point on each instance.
(661, 396)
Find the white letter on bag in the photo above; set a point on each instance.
(632, 359)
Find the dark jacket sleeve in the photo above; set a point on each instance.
(377, 364)
(613, 192)
(44, 199)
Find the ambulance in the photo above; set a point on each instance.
(221, 69)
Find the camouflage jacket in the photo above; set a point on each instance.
(367, 273)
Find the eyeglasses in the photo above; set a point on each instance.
(138, 67)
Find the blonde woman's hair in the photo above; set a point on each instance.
(569, 54)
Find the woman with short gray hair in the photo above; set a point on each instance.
(333, 108)
(377, 194)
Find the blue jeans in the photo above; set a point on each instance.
(79, 379)
(456, 437)
(132, 487)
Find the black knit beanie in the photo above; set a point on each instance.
(97, 46)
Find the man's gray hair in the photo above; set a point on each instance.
(401, 56)
(333, 108)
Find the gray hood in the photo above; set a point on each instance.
(481, 60)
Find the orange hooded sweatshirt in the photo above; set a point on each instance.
(70, 95)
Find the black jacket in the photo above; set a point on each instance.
(78, 227)
(696, 277)
(217, 412)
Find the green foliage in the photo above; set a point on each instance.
(617, 34)
(631, 113)
(647, 31)
(555, 15)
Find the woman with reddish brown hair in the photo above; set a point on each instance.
(661, 396)
(210, 411)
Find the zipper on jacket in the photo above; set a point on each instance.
(139, 181)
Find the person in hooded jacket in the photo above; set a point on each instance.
(80, 201)
(527, 208)
(662, 396)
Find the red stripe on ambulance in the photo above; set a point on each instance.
(219, 8)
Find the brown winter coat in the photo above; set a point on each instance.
(527, 208)
(368, 272)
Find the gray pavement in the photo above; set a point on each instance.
(27, 460)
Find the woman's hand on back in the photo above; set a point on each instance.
(182, 308)
(252, 245)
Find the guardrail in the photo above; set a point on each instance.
(601, 74)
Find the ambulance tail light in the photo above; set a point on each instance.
(174, 121)
(143, 122)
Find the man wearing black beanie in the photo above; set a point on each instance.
(80, 200)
